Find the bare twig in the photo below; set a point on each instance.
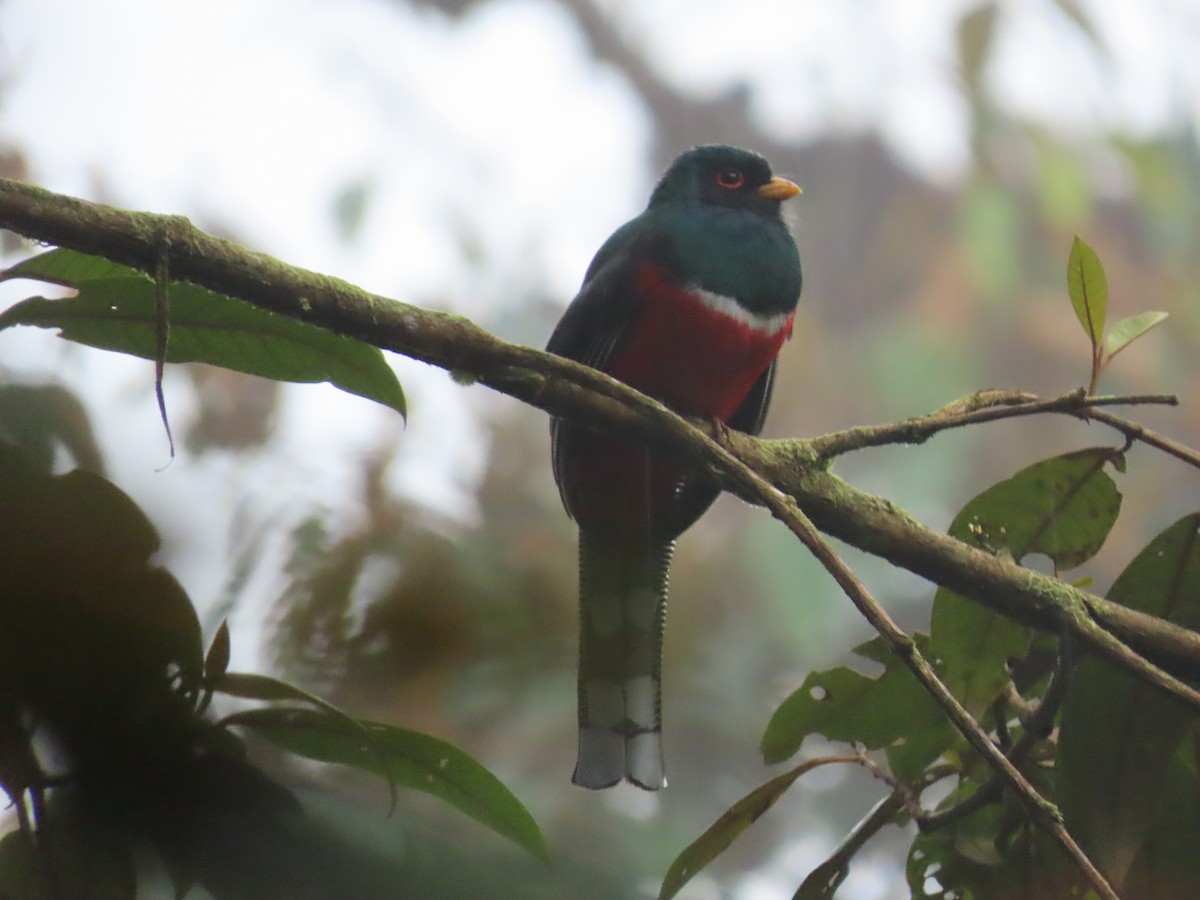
(1137, 432)
(984, 406)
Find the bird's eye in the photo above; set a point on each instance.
(730, 179)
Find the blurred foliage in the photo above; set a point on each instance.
(105, 750)
(915, 292)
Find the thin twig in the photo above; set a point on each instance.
(982, 406)
(1137, 432)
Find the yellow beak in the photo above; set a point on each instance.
(779, 189)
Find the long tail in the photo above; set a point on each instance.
(623, 604)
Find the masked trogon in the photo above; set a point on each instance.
(689, 303)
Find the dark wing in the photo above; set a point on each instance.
(594, 323)
(596, 319)
(603, 309)
(750, 416)
(696, 493)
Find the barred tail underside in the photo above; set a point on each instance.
(623, 601)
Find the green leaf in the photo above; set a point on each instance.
(407, 758)
(87, 857)
(114, 310)
(1118, 735)
(973, 646)
(251, 686)
(718, 836)
(1129, 329)
(1168, 866)
(79, 549)
(1063, 507)
(69, 269)
(1088, 286)
(844, 705)
(216, 661)
(988, 856)
(86, 860)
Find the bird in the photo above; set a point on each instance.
(689, 302)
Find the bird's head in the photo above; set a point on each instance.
(723, 176)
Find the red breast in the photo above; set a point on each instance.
(697, 352)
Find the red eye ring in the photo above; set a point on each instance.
(731, 179)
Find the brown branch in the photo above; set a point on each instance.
(877, 526)
(996, 404)
(563, 388)
(1135, 432)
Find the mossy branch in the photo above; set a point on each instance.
(790, 478)
(796, 468)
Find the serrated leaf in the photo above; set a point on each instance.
(1129, 329)
(718, 836)
(114, 309)
(404, 757)
(1088, 286)
(842, 704)
(1118, 734)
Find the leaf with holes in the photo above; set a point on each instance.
(1062, 507)
(842, 704)
(992, 854)
(114, 309)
